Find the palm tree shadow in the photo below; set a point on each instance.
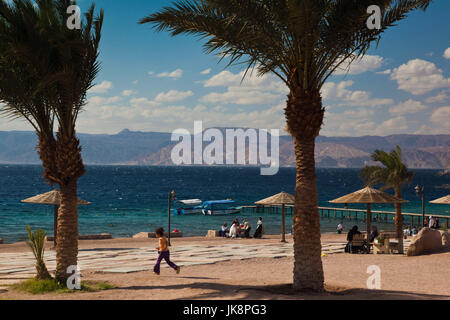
(286, 292)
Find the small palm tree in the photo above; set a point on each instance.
(393, 175)
(36, 241)
(302, 42)
(46, 70)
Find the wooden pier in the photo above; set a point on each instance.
(412, 219)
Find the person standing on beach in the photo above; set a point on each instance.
(163, 253)
(259, 229)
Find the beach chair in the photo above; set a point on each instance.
(358, 244)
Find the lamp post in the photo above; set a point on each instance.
(420, 191)
(171, 197)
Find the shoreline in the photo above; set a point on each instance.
(184, 238)
(22, 246)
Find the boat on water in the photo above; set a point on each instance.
(219, 208)
(189, 206)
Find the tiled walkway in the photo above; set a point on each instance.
(15, 267)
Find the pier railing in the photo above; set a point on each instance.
(352, 214)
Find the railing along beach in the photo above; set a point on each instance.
(350, 214)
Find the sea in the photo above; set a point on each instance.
(126, 200)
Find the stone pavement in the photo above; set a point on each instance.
(16, 267)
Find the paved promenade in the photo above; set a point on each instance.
(16, 267)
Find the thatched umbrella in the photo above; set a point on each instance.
(282, 199)
(368, 196)
(53, 198)
(443, 200)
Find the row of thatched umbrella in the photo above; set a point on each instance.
(367, 196)
(52, 198)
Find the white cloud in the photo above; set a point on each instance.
(146, 115)
(419, 77)
(173, 95)
(337, 123)
(391, 126)
(408, 107)
(447, 53)
(97, 101)
(388, 71)
(240, 96)
(441, 116)
(339, 92)
(361, 65)
(267, 82)
(245, 91)
(207, 71)
(439, 98)
(102, 87)
(176, 74)
(128, 92)
(143, 102)
(439, 120)
(150, 73)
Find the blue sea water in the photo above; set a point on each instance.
(127, 199)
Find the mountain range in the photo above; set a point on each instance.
(154, 148)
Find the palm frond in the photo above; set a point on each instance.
(301, 41)
(393, 174)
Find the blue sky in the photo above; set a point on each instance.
(152, 82)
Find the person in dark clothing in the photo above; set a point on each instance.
(259, 229)
(350, 235)
(374, 234)
(352, 232)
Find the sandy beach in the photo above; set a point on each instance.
(402, 277)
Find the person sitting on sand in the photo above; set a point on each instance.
(374, 234)
(233, 230)
(247, 229)
(407, 232)
(163, 253)
(259, 229)
(350, 235)
(340, 228)
(224, 230)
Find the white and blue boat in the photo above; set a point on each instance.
(219, 208)
(189, 206)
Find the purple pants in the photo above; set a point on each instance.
(166, 256)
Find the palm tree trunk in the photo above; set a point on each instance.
(308, 270)
(42, 272)
(67, 242)
(399, 220)
(304, 115)
(70, 168)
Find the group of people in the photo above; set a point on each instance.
(241, 230)
(432, 222)
(374, 234)
(410, 231)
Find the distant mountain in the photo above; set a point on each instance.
(154, 148)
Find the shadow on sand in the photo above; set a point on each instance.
(286, 291)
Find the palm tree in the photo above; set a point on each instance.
(36, 242)
(393, 175)
(46, 70)
(302, 42)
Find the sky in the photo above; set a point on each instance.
(153, 82)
